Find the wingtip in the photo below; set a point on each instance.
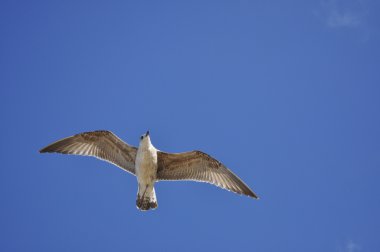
(43, 150)
(254, 196)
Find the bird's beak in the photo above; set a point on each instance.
(147, 133)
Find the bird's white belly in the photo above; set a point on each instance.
(146, 167)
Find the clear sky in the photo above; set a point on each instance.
(284, 93)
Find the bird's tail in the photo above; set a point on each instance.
(146, 201)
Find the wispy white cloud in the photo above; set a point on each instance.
(343, 19)
(350, 246)
(343, 13)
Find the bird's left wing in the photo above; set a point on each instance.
(101, 144)
(199, 166)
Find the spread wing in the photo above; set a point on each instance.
(199, 166)
(101, 144)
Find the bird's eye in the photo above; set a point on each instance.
(142, 137)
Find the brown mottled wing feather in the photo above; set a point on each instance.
(101, 144)
(198, 166)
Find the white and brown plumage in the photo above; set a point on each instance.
(149, 164)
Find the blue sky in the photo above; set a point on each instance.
(285, 93)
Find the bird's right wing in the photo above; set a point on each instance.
(101, 144)
(199, 166)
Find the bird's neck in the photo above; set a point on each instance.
(146, 144)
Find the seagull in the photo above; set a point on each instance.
(149, 164)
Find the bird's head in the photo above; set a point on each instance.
(145, 139)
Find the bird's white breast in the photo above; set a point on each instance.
(146, 164)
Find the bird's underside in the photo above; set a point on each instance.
(192, 165)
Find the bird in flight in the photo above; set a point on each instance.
(150, 165)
